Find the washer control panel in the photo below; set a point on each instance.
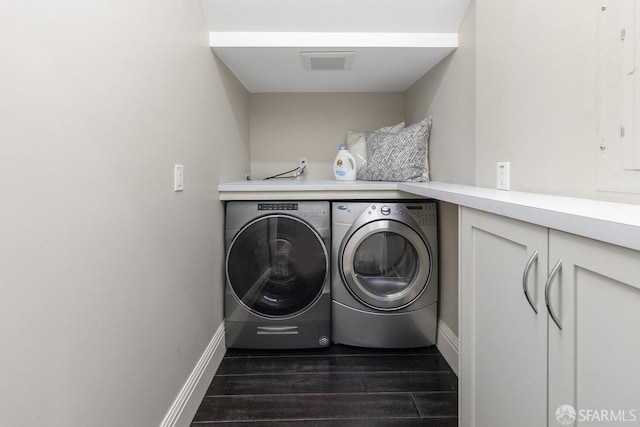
(302, 209)
(277, 206)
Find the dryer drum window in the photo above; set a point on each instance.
(276, 265)
(386, 265)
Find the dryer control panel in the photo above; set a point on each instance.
(424, 214)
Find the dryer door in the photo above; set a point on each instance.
(277, 265)
(386, 264)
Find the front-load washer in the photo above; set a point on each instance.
(277, 293)
(385, 273)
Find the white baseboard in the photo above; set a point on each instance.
(186, 404)
(447, 343)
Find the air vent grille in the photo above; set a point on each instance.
(323, 61)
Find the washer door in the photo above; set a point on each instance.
(277, 265)
(386, 264)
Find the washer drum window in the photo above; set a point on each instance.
(277, 266)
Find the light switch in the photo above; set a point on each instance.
(178, 178)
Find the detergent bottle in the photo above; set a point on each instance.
(344, 166)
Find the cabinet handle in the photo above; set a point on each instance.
(533, 258)
(547, 292)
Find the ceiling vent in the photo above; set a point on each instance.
(322, 61)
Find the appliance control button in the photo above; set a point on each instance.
(385, 210)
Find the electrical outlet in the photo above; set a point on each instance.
(503, 175)
(178, 177)
(302, 164)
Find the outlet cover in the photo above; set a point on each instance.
(178, 178)
(503, 176)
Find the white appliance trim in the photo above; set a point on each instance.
(188, 400)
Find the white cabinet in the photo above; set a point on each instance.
(503, 351)
(518, 366)
(594, 360)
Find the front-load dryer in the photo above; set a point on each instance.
(277, 293)
(385, 273)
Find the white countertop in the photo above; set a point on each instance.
(615, 223)
(302, 184)
(303, 189)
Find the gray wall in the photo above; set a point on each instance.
(110, 283)
(532, 66)
(447, 92)
(287, 126)
(536, 87)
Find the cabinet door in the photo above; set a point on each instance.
(503, 341)
(594, 360)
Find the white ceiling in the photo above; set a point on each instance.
(396, 41)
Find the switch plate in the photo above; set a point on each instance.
(503, 176)
(178, 177)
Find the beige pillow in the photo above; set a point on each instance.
(357, 142)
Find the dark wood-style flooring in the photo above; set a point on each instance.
(337, 386)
